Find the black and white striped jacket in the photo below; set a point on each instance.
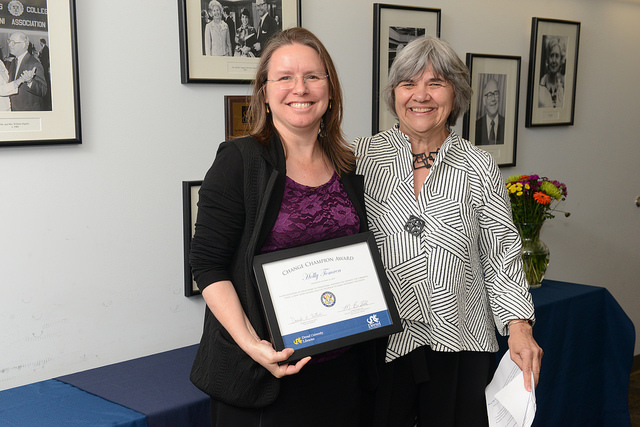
(463, 274)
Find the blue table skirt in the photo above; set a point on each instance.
(588, 344)
(54, 403)
(587, 338)
(157, 386)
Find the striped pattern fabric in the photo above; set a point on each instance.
(463, 274)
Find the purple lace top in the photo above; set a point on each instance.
(312, 214)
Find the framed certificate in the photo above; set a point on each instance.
(326, 295)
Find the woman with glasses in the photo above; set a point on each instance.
(290, 183)
(440, 213)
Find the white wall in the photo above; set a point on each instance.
(91, 235)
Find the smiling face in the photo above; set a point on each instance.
(491, 98)
(298, 110)
(423, 105)
(216, 13)
(554, 59)
(262, 9)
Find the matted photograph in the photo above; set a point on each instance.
(492, 119)
(221, 40)
(393, 27)
(39, 93)
(326, 295)
(189, 214)
(236, 122)
(553, 71)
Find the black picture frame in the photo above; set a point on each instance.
(491, 73)
(553, 56)
(189, 213)
(197, 67)
(393, 27)
(55, 118)
(328, 282)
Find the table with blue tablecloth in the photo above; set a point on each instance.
(587, 338)
(588, 344)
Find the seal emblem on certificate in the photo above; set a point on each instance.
(326, 295)
(328, 299)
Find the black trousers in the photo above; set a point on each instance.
(320, 395)
(430, 388)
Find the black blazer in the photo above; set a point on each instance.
(239, 201)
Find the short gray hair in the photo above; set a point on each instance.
(415, 57)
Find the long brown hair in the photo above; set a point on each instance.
(331, 138)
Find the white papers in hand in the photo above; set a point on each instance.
(509, 404)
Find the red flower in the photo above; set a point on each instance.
(542, 198)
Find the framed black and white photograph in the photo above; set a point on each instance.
(221, 40)
(393, 27)
(39, 91)
(553, 71)
(189, 214)
(492, 119)
(326, 295)
(236, 122)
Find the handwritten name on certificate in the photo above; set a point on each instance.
(326, 295)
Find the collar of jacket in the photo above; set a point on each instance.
(274, 153)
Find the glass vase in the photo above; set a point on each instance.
(535, 254)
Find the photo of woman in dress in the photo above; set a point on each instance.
(245, 35)
(217, 40)
(551, 86)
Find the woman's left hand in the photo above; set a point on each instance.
(525, 352)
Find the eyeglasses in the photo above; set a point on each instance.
(495, 94)
(15, 41)
(289, 82)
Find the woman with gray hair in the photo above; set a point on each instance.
(438, 208)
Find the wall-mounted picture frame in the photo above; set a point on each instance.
(553, 72)
(40, 102)
(393, 27)
(189, 214)
(221, 41)
(236, 124)
(492, 119)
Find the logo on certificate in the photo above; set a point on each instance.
(373, 321)
(328, 299)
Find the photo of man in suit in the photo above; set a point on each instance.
(30, 96)
(266, 28)
(490, 124)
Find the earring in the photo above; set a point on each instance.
(329, 105)
(268, 111)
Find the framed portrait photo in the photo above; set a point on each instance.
(189, 214)
(393, 27)
(492, 119)
(553, 70)
(40, 102)
(221, 40)
(236, 124)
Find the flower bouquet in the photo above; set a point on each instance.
(533, 200)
